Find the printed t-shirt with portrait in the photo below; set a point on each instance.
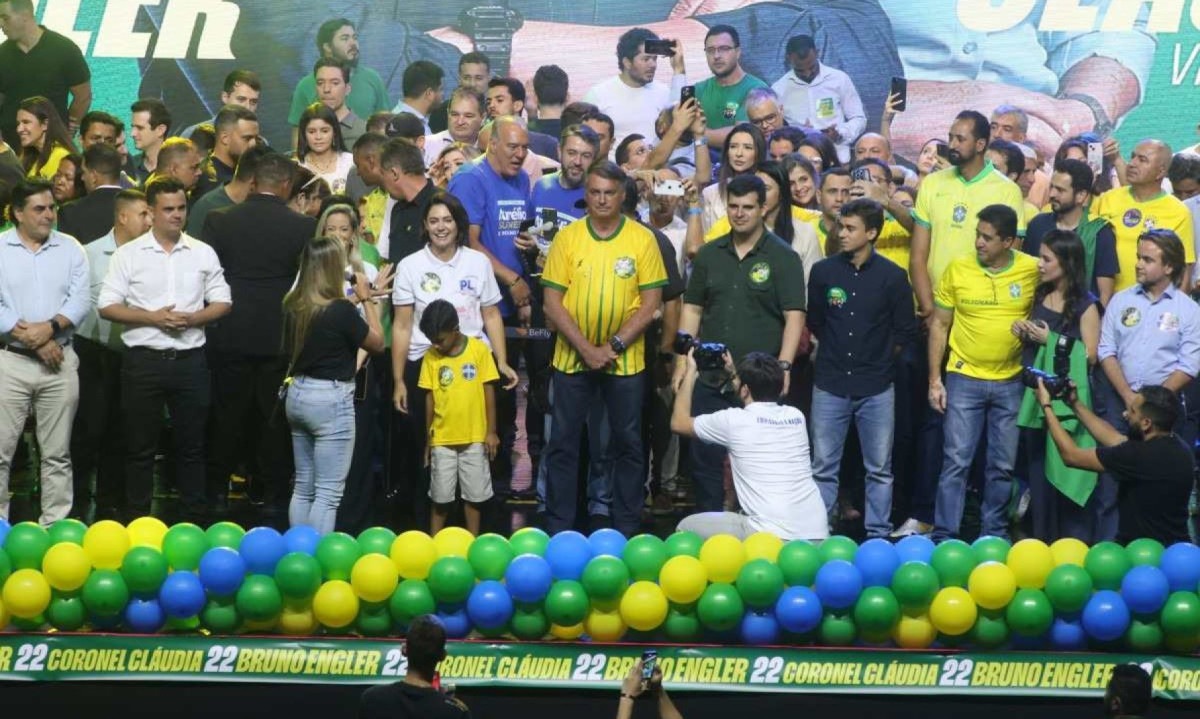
(455, 384)
(1130, 218)
(466, 281)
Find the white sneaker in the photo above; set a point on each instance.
(910, 527)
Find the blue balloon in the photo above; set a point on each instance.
(489, 606)
(1105, 617)
(877, 560)
(1144, 589)
(759, 628)
(528, 578)
(455, 620)
(302, 538)
(1181, 563)
(915, 548)
(1068, 636)
(144, 616)
(798, 610)
(181, 595)
(607, 541)
(4, 527)
(222, 571)
(568, 552)
(838, 584)
(262, 548)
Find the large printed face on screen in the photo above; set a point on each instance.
(1069, 63)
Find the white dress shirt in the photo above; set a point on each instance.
(830, 99)
(141, 274)
(99, 254)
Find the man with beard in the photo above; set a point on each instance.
(723, 96)
(465, 114)
(338, 39)
(506, 96)
(632, 98)
(562, 191)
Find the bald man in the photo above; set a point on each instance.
(872, 144)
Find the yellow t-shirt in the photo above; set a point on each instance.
(455, 385)
(894, 242)
(1130, 218)
(1031, 211)
(985, 305)
(947, 204)
(721, 226)
(602, 279)
(48, 170)
(372, 207)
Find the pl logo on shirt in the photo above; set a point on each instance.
(1132, 217)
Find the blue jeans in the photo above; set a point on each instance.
(574, 395)
(973, 405)
(874, 417)
(321, 415)
(599, 476)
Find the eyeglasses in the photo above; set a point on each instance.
(722, 50)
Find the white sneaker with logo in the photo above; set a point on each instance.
(910, 527)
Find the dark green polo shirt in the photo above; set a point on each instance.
(743, 300)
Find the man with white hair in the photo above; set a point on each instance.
(763, 110)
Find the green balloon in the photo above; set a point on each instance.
(990, 630)
(644, 555)
(1030, 613)
(991, 549)
(5, 567)
(1144, 551)
(720, 607)
(1107, 562)
(298, 575)
(838, 547)
(225, 534)
(1144, 635)
(66, 614)
(489, 556)
(529, 540)
(376, 540)
(682, 623)
(799, 561)
(183, 545)
(220, 615)
(1180, 616)
(337, 552)
(144, 569)
(258, 599)
(915, 584)
(1068, 587)
(876, 611)
(451, 579)
(953, 561)
(566, 603)
(374, 621)
(605, 578)
(104, 593)
(30, 625)
(529, 623)
(837, 630)
(681, 543)
(26, 544)
(183, 624)
(760, 582)
(67, 530)
(411, 599)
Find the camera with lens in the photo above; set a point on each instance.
(708, 355)
(1059, 383)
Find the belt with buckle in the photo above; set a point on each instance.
(24, 351)
(167, 354)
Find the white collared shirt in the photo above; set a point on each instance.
(143, 275)
(466, 281)
(830, 99)
(99, 254)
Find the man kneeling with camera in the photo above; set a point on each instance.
(1153, 467)
(768, 452)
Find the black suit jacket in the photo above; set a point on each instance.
(90, 217)
(258, 243)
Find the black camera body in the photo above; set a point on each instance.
(708, 355)
(1059, 383)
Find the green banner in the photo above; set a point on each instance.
(581, 666)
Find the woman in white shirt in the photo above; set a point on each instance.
(744, 148)
(319, 146)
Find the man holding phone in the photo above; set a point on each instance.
(632, 98)
(646, 678)
(820, 97)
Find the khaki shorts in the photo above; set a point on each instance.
(462, 467)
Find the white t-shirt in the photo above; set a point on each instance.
(634, 109)
(336, 178)
(466, 281)
(772, 472)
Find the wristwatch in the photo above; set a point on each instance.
(787, 366)
(55, 327)
(617, 344)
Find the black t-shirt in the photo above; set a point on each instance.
(1154, 480)
(405, 701)
(334, 337)
(51, 68)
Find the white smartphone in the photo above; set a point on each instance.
(669, 188)
(1095, 157)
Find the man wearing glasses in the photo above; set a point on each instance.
(723, 96)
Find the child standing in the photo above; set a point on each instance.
(458, 371)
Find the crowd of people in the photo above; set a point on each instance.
(729, 294)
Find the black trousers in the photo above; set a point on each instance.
(409, 480)
(98, 434)
(360, 498)
(537, 354)
(150, 380)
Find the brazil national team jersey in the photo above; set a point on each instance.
(1130, 218)
(985, 305)
(601, 279)
(455, 383)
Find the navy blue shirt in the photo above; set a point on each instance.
(859, 316)
(1105, 264)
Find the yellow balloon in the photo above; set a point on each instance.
(26, 593)
(723, 556)
(297, 621)
(66, 567)
(762, 545)
(106, 543)
(4, 615)
(992, 585)
(574, 631)
(453, 542)
(604, 626)
(1069, 550)
(644, 606)
(1031, 561)
(147, 532)
(914, 632)
(953, 612)
(413, 553)
(683, 579)
(335, 604)
(374, 577)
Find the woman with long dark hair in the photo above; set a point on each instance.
(744, 148)
(320, 148)
(44, 139)
(803, 180)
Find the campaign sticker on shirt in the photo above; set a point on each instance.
(1014, 290)
(469, 285)
(625, 267)
(730, 110)
(760, 273)
(1130, 317)
(1132, 217)
(960, 212)
(445, 377)
(835, 296)
(1169, 322)
(468, 371)
(430, 282)
(825, 108)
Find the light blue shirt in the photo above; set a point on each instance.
(99, 253)
(403, 106)
(1151, 339)
(36, 286)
